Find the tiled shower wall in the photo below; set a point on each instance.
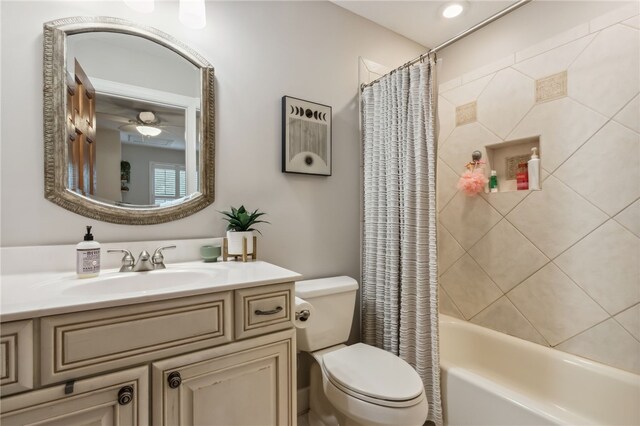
(560, 266)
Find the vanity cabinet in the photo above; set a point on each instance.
(222, 358)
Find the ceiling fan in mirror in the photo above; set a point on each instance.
(146, 127)
(146, 123)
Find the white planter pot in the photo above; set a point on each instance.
(235, 241)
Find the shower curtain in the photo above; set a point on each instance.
(399, 266)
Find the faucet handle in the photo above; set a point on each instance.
(158, 257)
(127, 260)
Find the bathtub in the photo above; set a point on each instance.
(489, 378)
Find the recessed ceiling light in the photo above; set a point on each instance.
(452, 10)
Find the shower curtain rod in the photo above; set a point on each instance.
(452, 40)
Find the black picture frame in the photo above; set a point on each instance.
(307, 140)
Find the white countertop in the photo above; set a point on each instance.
(33, 295)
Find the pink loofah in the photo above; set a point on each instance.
(472, 182)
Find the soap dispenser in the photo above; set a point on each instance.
(88, 256)
(533, 166)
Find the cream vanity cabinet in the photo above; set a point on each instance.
(224, 358)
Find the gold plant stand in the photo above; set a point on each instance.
(244, 255)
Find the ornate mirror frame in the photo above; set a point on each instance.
(55, 126)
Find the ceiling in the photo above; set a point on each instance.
(422, 21)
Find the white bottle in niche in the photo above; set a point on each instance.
(533, 166)
(88, 256)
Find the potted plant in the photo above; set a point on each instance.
(240, 224)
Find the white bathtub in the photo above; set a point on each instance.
(489, 378)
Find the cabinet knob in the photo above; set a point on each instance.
(174, 380)
(125, 395)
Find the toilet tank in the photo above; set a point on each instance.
(333, 300)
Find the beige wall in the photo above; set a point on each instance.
(559, 266)
(260, 51)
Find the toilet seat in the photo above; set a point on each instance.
(373, 375)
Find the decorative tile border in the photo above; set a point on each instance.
(467, 113)
(551, 87)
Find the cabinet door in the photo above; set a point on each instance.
(16, 357)
(245, 383)
(120, 398)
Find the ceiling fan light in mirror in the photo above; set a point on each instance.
(192, 14)
(148, 130)
(142, 6)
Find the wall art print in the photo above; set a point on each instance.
(306, 137)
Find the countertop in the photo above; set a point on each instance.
(24, 296)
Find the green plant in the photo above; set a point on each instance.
(240, 220)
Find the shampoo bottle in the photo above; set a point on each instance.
(493, 182)
(522, 177)
(88, 256)
(534, 170)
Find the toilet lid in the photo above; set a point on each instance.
(373, 372)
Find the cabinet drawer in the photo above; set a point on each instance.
(262, 310)
(16, 357)
(82, 343)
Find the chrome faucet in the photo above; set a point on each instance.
(145, 262)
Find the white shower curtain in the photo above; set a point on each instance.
(399, 266)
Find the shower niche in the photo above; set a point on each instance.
(507, 159)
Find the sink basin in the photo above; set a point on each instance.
(121, 282)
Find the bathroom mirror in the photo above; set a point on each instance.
(128, 122)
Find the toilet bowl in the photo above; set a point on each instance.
(357, 384)
(371, 386)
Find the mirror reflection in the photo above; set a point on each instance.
(133, 108)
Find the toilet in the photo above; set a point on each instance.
(357, 384)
